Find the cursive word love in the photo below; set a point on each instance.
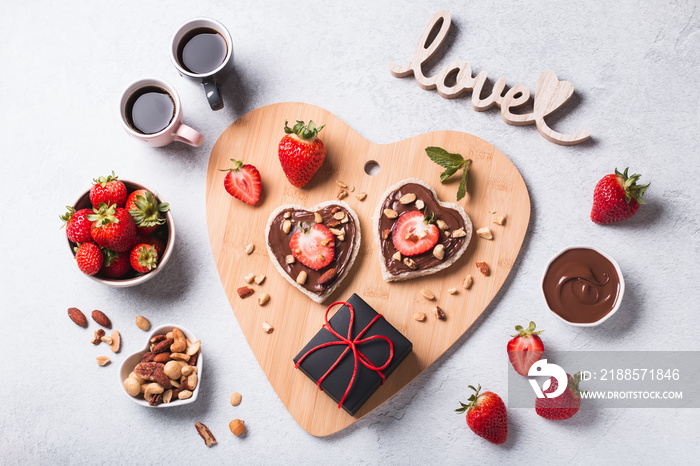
(550, 93)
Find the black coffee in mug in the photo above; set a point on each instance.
(202, 50)
(150, 110)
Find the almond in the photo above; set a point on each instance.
(162, 358)
(143, 323)
(163, 346)
(101, 318)
(244, 292)
(407, 198)
(483, 268)
(77, 316)
(439, 313)
(327, 277)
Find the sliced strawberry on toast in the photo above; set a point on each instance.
(313, 246)
(413, 233)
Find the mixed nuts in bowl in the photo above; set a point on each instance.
(166, 372)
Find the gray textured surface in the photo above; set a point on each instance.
(64, 65)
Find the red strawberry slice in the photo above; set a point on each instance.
(313, 246)
(525, 349)
(243, 182)
(412, 234)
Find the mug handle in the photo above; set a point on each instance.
(213, 93)
(188, 135)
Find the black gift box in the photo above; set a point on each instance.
(377, 352)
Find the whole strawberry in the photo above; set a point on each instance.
(77, 225)
(565, 405)
(116, 264)
(146, 210)
(616, 197)
(108, 190)
(301, 152)
(486, 416)
(143, 258)
(153, 241)
(89, 257)
(525, 349)
(113, 228)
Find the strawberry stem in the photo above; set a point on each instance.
(472, 400)
(237, 165)
(104, 215)
(529, 331)
(309, 131)
(632, 189)
(103, 180)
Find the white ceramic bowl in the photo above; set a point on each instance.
(130, 362)
(619, 297)
(83, 202)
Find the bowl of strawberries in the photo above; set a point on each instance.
(119, 232)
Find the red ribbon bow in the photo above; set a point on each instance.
(351, 345)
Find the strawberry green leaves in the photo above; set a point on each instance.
(452, 163)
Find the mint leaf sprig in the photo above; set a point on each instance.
(452, 163)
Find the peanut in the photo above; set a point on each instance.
(249, 249)
(143, 323)
(236, 399)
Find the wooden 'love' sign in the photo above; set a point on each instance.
(550, 93)
(495, 185)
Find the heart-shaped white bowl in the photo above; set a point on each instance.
(130, 363)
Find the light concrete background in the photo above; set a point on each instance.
(64, 65)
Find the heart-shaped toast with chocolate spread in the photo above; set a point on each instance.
(314, 249)
(415, 233)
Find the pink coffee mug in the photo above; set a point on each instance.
(176, 130)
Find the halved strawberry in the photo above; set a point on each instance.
(413, 233)
(243, 182)
(313, 246)
(525, 349)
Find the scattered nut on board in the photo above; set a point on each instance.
(249, 249)
(244, 292)
(467, 283)
(237, 427)
(205, 433)
(259, 279)
(452, 290)
(439, 313)
(501, 220)
(267, 328)
(342, 194)
(419, 316)
(143, 323)
(361, 196)
(483, 268)
(484, 233)
(236, 399)
(102, 360)
(427, 294)
(249, 278)
(341, 184)
(263, 299)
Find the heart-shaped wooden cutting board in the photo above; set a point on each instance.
(495, 188)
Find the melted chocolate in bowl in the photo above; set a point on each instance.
(581, 286)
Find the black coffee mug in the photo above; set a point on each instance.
(202, 50)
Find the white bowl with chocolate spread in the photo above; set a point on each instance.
(583, 286)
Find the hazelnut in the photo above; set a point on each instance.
(132, 386)
(173, 370)
(237, 427)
